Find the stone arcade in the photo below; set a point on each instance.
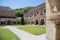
(36, 16)
(7, 16)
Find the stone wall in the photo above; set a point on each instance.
(35, 15)
(53, 19)
(10, 21)
(7, 16)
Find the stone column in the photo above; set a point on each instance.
(30, 22)
(27, 22)
(53, 19)
(16, 22)
(6, 22)
(38, 21)
(34, 22)
(11, 22)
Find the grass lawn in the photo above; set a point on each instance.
(37, 30)
(6, 34)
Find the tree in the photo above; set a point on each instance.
(22, 21)
(20, 11)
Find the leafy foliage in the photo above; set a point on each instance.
(20, 11)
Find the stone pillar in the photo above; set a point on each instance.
(16, 22)
(11, 22)
(53, 19)
(34, 21)
(6, 22)
(30, 22)
(27, 22)
(38, 21)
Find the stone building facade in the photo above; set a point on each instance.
(35, 16)
(7, 16)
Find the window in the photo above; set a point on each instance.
(34, 14)
(41, 12)
(27, 15)
(30, 15)
(12, 14)
(37, 13)
(44, 10)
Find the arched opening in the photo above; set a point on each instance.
(28, 22)
(36, 22)
(42, 21)
(25, 22)
(1, 23)
(9, 22)
(32, 23)
(14, 22)
(4, 22)
(18, 22)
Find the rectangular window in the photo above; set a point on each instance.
(30, 15)
(44, 10)
(37, 13)
(41, 12)
(34, 14)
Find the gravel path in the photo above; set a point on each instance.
(25, 35)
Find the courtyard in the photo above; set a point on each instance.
(6, 34)
(26, 19)
(22, 23)
(33, 29)
(23, 35)
(16, 32)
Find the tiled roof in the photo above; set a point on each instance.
(5, 8)
(39, 6)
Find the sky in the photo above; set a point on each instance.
(20, 3)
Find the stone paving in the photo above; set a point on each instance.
(25, 35)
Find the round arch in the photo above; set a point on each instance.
(9, 22)
(42, 21)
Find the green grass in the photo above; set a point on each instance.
(37, 30)
(6, 34)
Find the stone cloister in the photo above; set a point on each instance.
(5, 21)
(36, 16)
(7, 16)
(53, 19)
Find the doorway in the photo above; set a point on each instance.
(9, 22)
(42, 21)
